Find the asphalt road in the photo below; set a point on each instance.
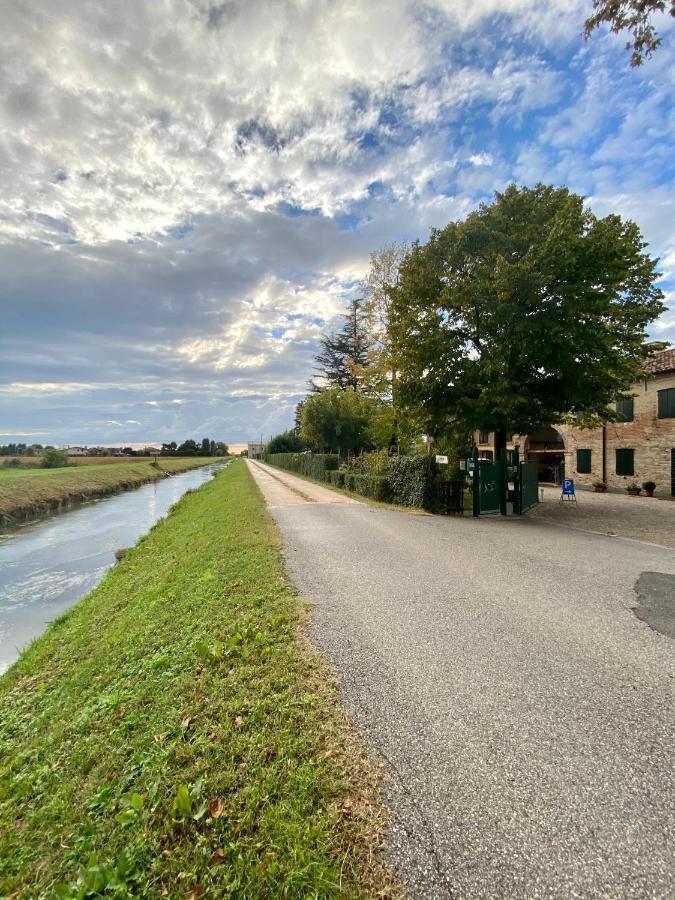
(523, 711)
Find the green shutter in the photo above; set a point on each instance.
(667, 403)
(624, 409)
(625, 462)
(583, 462)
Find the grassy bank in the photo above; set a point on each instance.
(29, 492)
(173, 736)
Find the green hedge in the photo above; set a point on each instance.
(315, 465)
(374, 486)
(413, 481)
(336, 477)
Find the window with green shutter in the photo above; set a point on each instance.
(667, 403)
(624, 409)
(625, 464)
(583, 462)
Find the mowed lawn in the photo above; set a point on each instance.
(30, 490)
(173, 734)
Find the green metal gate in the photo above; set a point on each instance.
(528, 486)
(488, 486)
(491, 493)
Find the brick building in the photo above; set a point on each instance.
(639, 448)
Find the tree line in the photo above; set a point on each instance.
(529, 312)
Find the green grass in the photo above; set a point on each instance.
(28, 492)
(173, 734)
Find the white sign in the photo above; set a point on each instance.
(442, 459)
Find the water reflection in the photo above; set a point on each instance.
(47, 566)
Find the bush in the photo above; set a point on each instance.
(13, 463)
(375, 463)
(414, 481)
(336, 477)
(54, 459)
(374, 486)
(314, 465)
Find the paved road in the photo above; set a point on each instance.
(524, 713)
(642, 518)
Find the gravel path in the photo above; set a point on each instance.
(641, 518)
(524, 713)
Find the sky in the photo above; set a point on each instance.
(190, 189)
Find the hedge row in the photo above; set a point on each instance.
(315, 465)
(374, 486)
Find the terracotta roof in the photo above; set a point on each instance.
(661, 362)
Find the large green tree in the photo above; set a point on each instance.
(337, 420)
(343, 355)
(530, 311)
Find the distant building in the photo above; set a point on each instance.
(151, 451)
(255, 449)
(77, 451)
(639, 447)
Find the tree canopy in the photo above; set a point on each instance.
(635, 16)
(343, 357)
(337, 419)
(529, 311)
(286, 442)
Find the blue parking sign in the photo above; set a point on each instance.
(568, 487)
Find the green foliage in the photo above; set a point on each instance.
(376, 487)
(376, 463)
(343, 359)
(336, 477)
(286, 442)
(633, 16)
(314, 465)
(170, 734)
(413, 481)
(54, 459)
(337, 420)
(530, 311)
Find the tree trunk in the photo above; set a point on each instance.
(500, 440)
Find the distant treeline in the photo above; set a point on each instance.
(207, 447)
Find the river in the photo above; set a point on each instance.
(48, 565)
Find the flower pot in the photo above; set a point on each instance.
(649, 493)
(633, 493)
(599, 490)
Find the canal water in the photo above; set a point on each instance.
(47, 566)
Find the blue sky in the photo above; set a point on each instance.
(191, 189)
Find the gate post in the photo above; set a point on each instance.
(517, 484)
(476, 484)
(504, 485)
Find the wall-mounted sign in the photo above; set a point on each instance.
(442, 459)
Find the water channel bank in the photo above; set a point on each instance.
(172, 736)
(47, 566)
(32, 492)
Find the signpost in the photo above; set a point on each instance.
(567, 495)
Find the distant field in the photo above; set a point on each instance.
(31, 491)
(84, 460)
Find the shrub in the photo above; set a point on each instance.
(413, 481)
(336, 478)
(375, 463)
(649, 485)
(374, 486)
(13, 463)
(314, 465)
(54, 459)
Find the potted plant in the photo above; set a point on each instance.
(649, 487)
(599, 487)
(633, 489)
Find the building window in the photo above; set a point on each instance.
(667, 403)
(487, 454)
(625, 464)
(624, 409)
(584, 462)
(484, 437)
